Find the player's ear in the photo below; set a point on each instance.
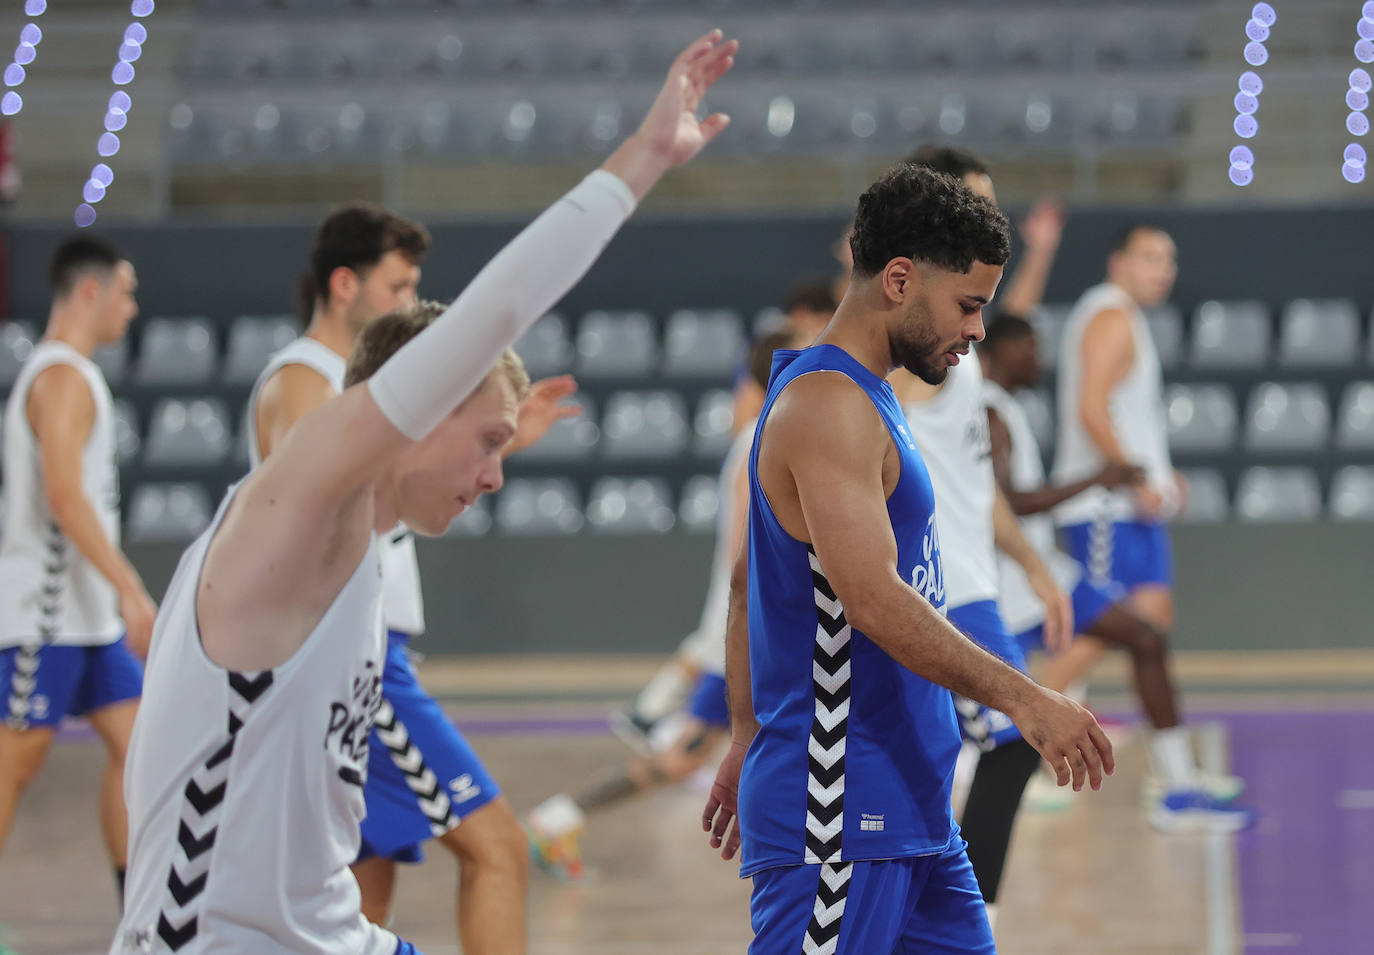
(343, 284)
(900, 279)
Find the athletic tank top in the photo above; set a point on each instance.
(1136, 407)
(708, 643)
(49, 592)
(403, 606)
(245, 790)
(854, 756)
(951, 431)
(1020, 608)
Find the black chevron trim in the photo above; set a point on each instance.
(184, 892)
(831, 700)
(829, 896)
(831, 625)
(827, 777)
(832, 664)
(54, 569)
(192, 846)
(223, 753)
(824, 814)
(176, 937)
(828, 738)
(822, 585)
(351, 776)
(250, 688)
(820, 934)
(205, 801)
(52, 590)
(235, 724)
(827, 851)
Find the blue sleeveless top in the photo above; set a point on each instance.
(854, 756)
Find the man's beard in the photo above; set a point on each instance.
(918, 349)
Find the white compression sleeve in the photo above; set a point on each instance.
(434, 372)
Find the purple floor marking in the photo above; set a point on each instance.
(1307, 868)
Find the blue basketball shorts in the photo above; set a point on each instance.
(1129, 554)
(43, 683)
(981, 725)
(928, 904)
(710, 701)
(405, 948)
(423, 777)
(1090, 602)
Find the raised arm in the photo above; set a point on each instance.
(832, 442)
(61, 412)
(1041, 231)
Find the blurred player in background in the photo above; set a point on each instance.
(68, 595)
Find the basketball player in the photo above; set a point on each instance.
(1111, 412)
(423, 776)
(1011, 361)
(806, 310)
(844, 735)
(68, 595)
(248, 761)
(705, 718)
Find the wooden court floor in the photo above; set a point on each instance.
(1092, 878)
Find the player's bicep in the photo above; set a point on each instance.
(61, 412)
(1000, 441)
(1107, 352)
(289, 395)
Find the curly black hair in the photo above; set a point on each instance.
(950, 160)
(929, 217)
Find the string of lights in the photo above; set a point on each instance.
(1257, 28)
(24, 54)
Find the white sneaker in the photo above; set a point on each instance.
(1222, 787)
(1192, 810)
(1043, 794)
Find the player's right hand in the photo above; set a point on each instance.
(138, 612)
(722, 806)
(671, 127)
(1114, 474)
(1069, 739)
(1149, 503)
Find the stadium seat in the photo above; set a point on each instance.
(188, 432)
(1230, 335)
(475, 521)
(176, 351)
(630, 506)
(699, 504)
(113, 361)
(1355, 427)
(707, 344)
(546, 348)
(1287, 417)
(252, 340)
(616, 344)
(127, 435)
(166, 513)
(647, 424)
(1207, 500)
(1166, 329)
(713, 423)
(572, 439)
(1278, 495)
(1319, 333)
(529, 507)
(1352, 494)
(16, 344)
(1200, 417)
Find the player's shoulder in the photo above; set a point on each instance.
(825, 406)
(295, 383)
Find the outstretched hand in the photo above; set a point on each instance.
(671, 126)
(722, 806)
(1069, 739)
(542, 409)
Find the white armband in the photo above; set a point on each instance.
(434, 372)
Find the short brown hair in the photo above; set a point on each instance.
(383, 337)
(356, 237)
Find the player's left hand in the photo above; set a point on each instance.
(722, 806)
(543, 408)
(1044, 225)
(671, 127)
(1058, 611)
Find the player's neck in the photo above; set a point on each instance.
(331, 331)
(856, 329)
(71, 330)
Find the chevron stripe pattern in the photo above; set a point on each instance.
(1100, 546)
(829, 725)
(23, 681)
(178, 922)
(430, 795)
(823, 931)
(54, 580)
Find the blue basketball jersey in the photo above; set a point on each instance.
(854, 756)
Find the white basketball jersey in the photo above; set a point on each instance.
(1136, 407)
(951, 431)
(403, 606)
(49, 592)
(245, 790)
(707, 645)
(1021, 609)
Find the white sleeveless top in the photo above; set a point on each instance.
(707, 644)
(49, 593)
(245, 790)
(1136, 407)
(951, 431)
(403, 606)
(1021, 609)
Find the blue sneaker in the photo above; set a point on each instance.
(1194, 810)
